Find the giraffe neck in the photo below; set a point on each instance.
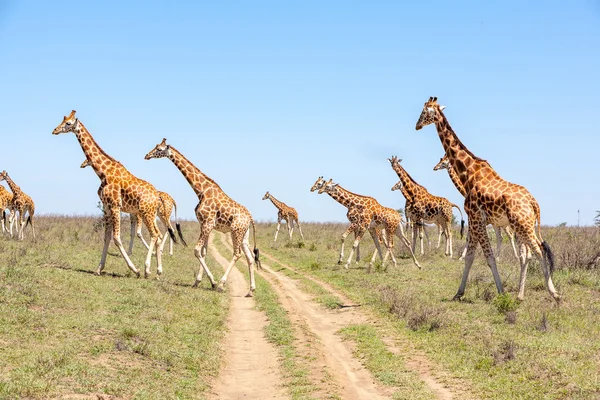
(13, 186)
(456, 180)
(461, 158)
(276, 203)
(199, 181)
(97, 157)
(344, 197)
(410, 188)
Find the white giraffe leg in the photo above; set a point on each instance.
(277, 230)
(300, 229)
(250, 261)
(401, 234)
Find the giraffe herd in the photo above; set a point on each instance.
(489, 199)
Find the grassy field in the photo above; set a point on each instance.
(66, 332)
(503, 348)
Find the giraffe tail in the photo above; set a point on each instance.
(4, 217)
(28, 221)
(462, 221)
(169, 228)
(178, 226)
(548, 255)
(256, 251)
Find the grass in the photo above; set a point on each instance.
(280, 332)
(66, 332)
(501, 348)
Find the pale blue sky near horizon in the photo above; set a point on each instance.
(268, 95)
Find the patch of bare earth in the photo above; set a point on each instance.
(441, 383)
(352, 380)
(251, 369)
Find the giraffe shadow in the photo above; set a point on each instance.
(84, 271)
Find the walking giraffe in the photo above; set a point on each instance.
(165, 209)
(285, 213)
(369, 215)
(6, 204)
(22, 204)
(425, 207)
(491, 200)
(445, 164)
(411, 219)
(119, 191)
(217, 211)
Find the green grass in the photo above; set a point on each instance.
(500, 348)
(65, 331)
(280, 332)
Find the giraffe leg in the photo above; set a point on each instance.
(358, 251)
(400, 233)
(139, 235)
(115, 217)
(236, 241)
(441, 230)
(359, 234)
(523, 261)
(290, 225)
(31, 221)
(277, 230)
(250, 261)
(133, 221)
(150, 222)
(464, 252)
(200, 253)
(544, 255)
(351, 228)
(107, 234)
(3, 224)
(511, 236)
(12, 219)
(375, 237)
(448, 234)
(389, 244)
(300, 229)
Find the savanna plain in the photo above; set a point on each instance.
(66, 333)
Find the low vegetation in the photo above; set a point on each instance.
(503, 348)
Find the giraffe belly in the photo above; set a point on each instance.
(498, 220)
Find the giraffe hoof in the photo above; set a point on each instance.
(97, 273)
(249, 294)
(195, 285)
(340, 262)
(457, 297)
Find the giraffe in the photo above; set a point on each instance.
(425, 207)
(351, 215)
(22, 204)
(411, 221)
(6, 204)
(491, 200)
(285, 213)
(165, 209)
(217, 211)
(119, 191)
(445, 164)
(370, 215)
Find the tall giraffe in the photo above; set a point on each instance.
(425, 207)
(6, 204)
(217, 211)
(445, 164)
(22, 204)
(370, 216)
(491, 200)
(165, 209)
(119, 191)
(285, 213)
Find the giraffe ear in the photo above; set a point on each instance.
(442, 108)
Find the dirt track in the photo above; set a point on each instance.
(330, 355)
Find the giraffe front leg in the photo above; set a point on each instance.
(200, 253)
(344, 235)
(236, 241)
(401, 234)
(107, 234)
(277, 230)
(359, 235)
(115, 217)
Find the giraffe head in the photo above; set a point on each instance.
(430, 113)
(318, 184)
(443, 164)
(397, 186)
(394, 160)
(86, 163)
(328, 187)
(3, 176)
(68, 124)
(266, 196)
(161, 150)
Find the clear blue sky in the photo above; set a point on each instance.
(268, 95)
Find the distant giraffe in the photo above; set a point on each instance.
(370, 215)
(22, 204)
(120, 191)
(491, 200)
(410, 219)
(425, 207)
(445, 164)
(165, 209)
(217, 211)
(285, 213)
(6, 204)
